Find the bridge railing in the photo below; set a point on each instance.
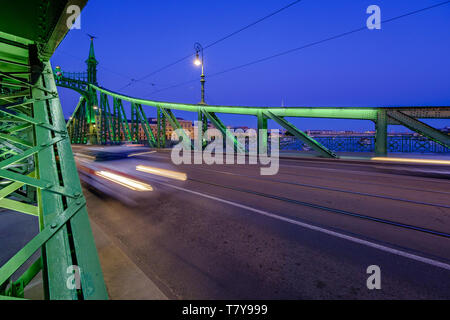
(396, 144)
(75, 76)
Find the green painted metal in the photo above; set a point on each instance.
(161, 128)
(139, 120)
(262, 133)
(176, 125)
(312, 112)
(202, 127)
(121, 119)
(381, 133)
(301, 135)
(151, 140)
(17, 288)
(89, 90)
(223, 129)
(134, 124)
(105, 120)
(420, 127)
(37, 167)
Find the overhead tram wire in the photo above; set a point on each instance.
(172, 87)
(215, 42)
(252, 24)
(325, 40)
(104, 68)
(306, 46)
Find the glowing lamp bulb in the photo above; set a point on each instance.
(197, 61)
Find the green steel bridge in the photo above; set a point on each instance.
(37, 167)
(94, 121)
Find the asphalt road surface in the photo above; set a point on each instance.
(309, 232)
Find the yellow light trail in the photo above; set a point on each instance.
(140, 154)
(80, 155)
(163, 172)
(123, 181)
(422, 161)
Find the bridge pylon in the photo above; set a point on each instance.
(38, 175)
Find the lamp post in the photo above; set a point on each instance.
(199, 49)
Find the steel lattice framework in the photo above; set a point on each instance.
(37, 169)
(96, 124)
(38, 175)
(93, 122)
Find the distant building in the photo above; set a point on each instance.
(244, 128)
(186, 125)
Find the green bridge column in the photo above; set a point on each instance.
(203, 127)
(262, 133)
(381, 133)
(161, 128)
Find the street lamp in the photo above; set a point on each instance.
(199, 62)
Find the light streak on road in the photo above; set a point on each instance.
(422, 161)
(123, 181)
(133, 145)
(163, 172)
(140, 153)
(80, 155)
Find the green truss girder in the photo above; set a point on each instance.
(43, 182)
(301, 135)
(262, 133)
(161, 128)
(420, 127)
(373, 114)
(38, 171)
(176, 125)
(211, 116)
(105, 123)
(208, 112)
(79, 105)
(139, 118)
(359, 113)
(320, 112)
(121, 121)
(381, 133)
(76, 126)
(108, 127)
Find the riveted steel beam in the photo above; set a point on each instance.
(381, 125)
(37, 158)
(211, 116)
(420, 127)
(176, 126)
(301, 135)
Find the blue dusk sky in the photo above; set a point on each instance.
(406, 63)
